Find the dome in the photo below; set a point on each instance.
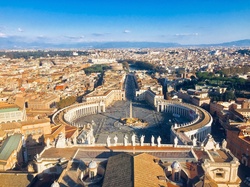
(175, 165)
(92, 165)
(55, 184)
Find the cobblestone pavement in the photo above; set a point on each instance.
(158, 123)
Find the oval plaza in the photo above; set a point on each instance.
(197, 124)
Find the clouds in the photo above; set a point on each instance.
(2, 35)
(76, 39)
(98, 34)
(126, 31)
(12, 32)
(186, 34)
(57, 39)
(20, 30)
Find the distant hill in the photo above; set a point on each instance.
(238, 43)
(13, 43)
(136, 45)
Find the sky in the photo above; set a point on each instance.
(178, 21)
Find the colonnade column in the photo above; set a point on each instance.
(99, 108)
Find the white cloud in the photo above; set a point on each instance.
(187, 34)
(74, 38)
(2, 35)
(126, 31)
(20, 30)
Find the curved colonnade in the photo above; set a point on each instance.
(198, 126)
(69, 114)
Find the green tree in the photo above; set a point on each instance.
(66, 102)
(228, 95)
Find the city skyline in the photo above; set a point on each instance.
(191, 22)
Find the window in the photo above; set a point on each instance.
(176, 176)
(92, 175)
(219, 175)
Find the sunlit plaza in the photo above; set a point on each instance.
(108, 123)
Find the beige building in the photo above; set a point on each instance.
(111, 90)
(238, 138)
(197, 98)
(42, 101)
(35, 130)
(149, 89)
(243, 113)
(11, 113)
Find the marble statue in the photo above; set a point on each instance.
(125, 140)
(68, 142)
(224, 144)
(159, 141)
(175, 141)
(194, 141)
(116, 139)
(152, 140)
(60, 142)
(217, 146)
(175, 125)
(89, 139)
(37, 156)
(142, 140)
(48, 143)
(133, 139)
(74, 140)
(108, 141)
(93, 140)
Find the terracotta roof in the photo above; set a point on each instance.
(201, 154)
(242, 110)
(104, 152)
(36, 121)
(220, 156)
(10, 126)
(138, 170)
(146, 171)
(4, 105)
(15, 179)
(170, 184)
(70, 131)
(119, 171)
